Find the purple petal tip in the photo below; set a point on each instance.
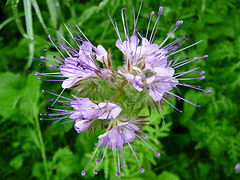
(157, 154)
(117, 174)
(98, 161)
(83, 173)
(95, 172)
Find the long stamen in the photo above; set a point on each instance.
(83, 34)
(119, 165)
(186, 47)
(72, 36)
(60, 34)
(149, 22)
(155, 27)
(58, 97)
(178, 24)
(156, 153)
(125, 26)
(47, 62)
(134, 154)
(187, 79)
(171, 105)
(54, 56)
(44, 91)
(183, 73)
(84, 170)
(51, 39)
(136, 21)
(100, 162)
(189, 61)
(183, 99)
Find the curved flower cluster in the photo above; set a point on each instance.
(147, 67)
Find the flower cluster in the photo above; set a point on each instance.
(147, 68)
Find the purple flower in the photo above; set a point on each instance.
(119, 135)
(116, 137)
(77, 64)
(108, 110)
(148, 65)
(85, 112)
(82, 125)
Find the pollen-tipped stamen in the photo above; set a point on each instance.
(118, 173)
(99, 163)
(170, 34)
(155, 27)
(156, 153)
(149, 22)
(84, 170)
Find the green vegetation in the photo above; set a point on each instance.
(197, 144)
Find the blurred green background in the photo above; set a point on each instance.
(197, 144)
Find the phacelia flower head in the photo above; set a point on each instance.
(117, 135)
(148, 68)
(84, 112)
(148, 65)
(78, 64)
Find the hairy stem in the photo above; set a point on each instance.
(122, 84)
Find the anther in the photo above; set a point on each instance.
(144, 137)
(142, 170)
(160, 11)
(202, 72)
(152, 13)
(123, 165)
(202, 77)
(179, 23)
(83, 173)
(42, 57)
(208, 91)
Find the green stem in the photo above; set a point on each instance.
(42, 147)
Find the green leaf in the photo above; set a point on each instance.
(38, 170)
(65, 162)
(10, 85)
(166, 175)
(39, 15)
(20, 96)
(17, 161)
